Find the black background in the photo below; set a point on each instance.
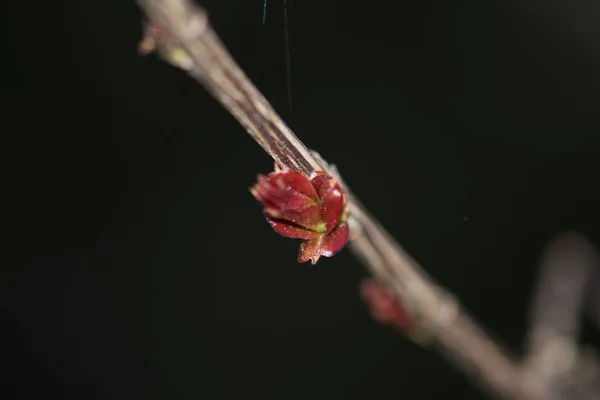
(137, 264)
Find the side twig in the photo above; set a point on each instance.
(566, 269)
(182, 35)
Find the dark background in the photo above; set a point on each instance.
(137, 264)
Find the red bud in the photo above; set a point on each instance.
(314, 210)
(384, 308)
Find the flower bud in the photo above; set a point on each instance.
(311, 209)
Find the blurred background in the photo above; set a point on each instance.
(137, 263)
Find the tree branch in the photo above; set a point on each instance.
(566, 269)
(182, 35)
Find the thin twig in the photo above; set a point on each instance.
(187, 40)
(566, 268)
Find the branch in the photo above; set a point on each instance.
(566, 269)
(182, 35)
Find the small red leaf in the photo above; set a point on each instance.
(299, 182)
(291, 231)
(322, 183)
(310, 250)
(326, 245)
(335, 241)
(278, 195)
(309, 218)
(332, 207)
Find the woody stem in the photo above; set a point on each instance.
(456, 335)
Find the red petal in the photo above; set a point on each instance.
(309, 218)
(335, 241)
(332, 207)
(310, 250)
(332, 198)
(298, 182)
(324, 245)
(322, 183)
(291, 231)
(277, 193)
